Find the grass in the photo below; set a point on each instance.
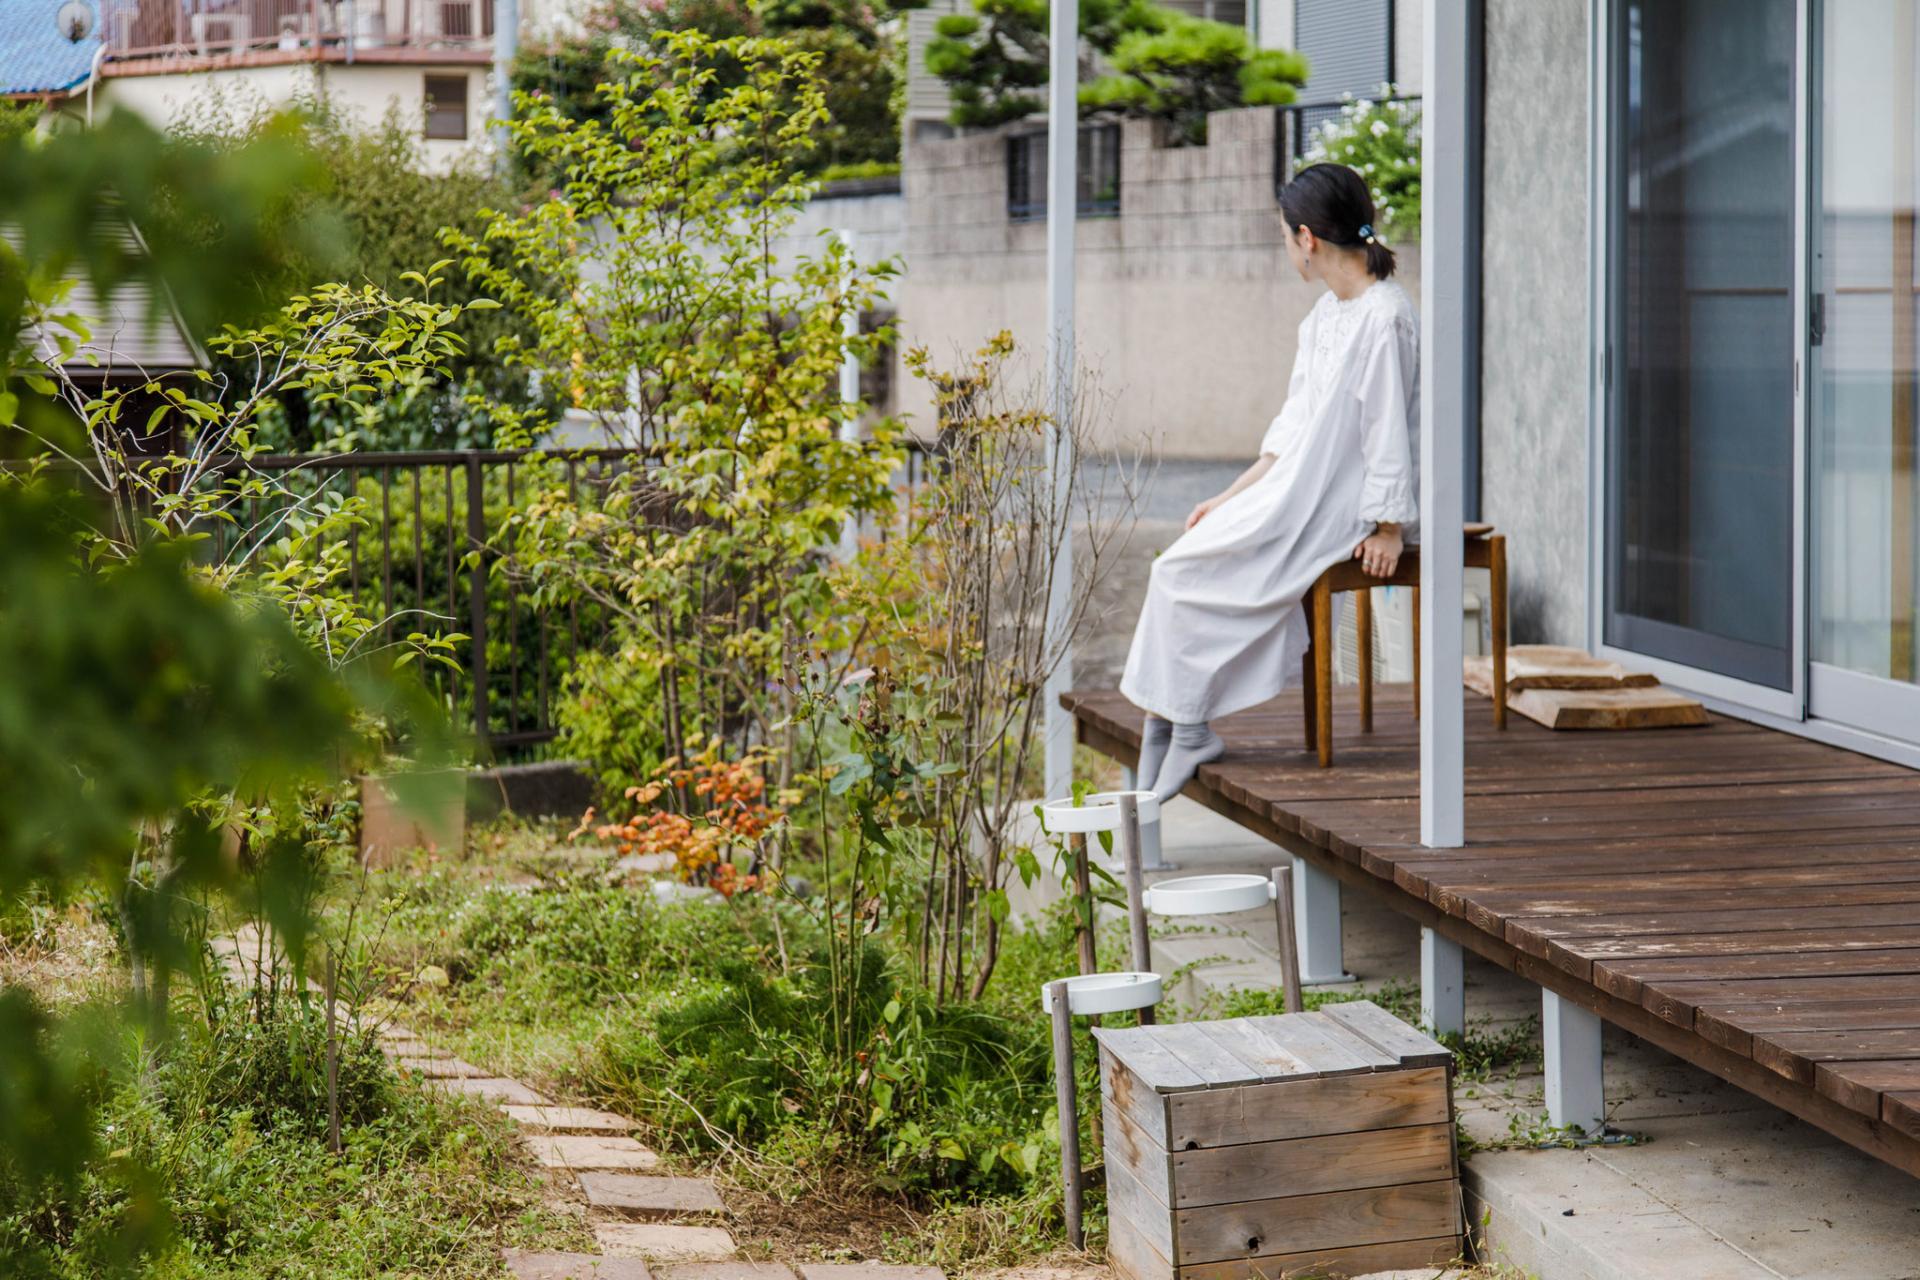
(705, 1022)
(211, 1149)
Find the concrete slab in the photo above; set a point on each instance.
(644, 1197)
(573, 1266)
(441, 1068)
(661, 1242)
(490, 1088)
(726, 1271)
(569, 1120)
(588, 1152)
(865, 1271)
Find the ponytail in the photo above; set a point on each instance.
(1333, 202)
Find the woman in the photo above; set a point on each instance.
(1223, 628)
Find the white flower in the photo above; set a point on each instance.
(1378, 128)
(1363, 106)
(1367, 167)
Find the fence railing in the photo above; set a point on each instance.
(1097, 173)
(1296, 125)
(422, 560)
(210, 28)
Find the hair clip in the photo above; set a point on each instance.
(1366, 233)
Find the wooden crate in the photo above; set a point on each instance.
(1259, 1148)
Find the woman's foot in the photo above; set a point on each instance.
(1192, 746)
(1155, 736)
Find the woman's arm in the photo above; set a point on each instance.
(1247, 477)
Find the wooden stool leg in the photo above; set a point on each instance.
(1306, 683)
(1363, 627)
(1416, 653)
(1323, 670)
(1497, 571)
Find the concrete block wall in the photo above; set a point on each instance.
(1187, 306)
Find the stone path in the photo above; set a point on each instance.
(647, 1226)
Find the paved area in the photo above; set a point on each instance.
(1716, 1185)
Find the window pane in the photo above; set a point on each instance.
(1866, 549)
(1700, 451)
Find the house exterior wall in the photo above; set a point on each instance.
(1186, 304)
(1534, 310)
(365, 91)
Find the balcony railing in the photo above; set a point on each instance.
(218, 28)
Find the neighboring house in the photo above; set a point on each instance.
(429, 60)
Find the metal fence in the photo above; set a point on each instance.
(1097, 176)
(421, 558)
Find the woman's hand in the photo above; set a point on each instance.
(1379, 554)
(1206, 509)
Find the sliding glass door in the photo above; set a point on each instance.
(1864, 423)
(1698, 519)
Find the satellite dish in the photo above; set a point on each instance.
(75, 20)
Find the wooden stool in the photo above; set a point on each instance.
(1485, 549)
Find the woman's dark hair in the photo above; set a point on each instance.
(1333, 202)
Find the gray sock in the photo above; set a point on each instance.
(1155, 734)
(1192, 746)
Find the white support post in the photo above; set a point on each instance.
(849, 388)
(1316, 920)
(1150, 859)
(1576, 1092)
(506, 48)
(1443, 990)
(1063, 206)
(1445, 123)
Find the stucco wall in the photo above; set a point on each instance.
(365, 91)
(1534, 326)
(1187, 307)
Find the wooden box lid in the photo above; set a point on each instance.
(1339, 1040)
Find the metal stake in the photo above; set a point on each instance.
(1063, 1092)
(1136, 888)
(1289, 945)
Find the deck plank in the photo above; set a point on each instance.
(1745, 897)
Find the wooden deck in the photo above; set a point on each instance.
(1745, 899)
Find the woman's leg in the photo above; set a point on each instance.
(1155, 735)
(1192, 746)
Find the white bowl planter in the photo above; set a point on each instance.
(1100, 812)
(1209, 895)
(1105, 993)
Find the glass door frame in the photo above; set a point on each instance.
(1607, 362)
(1856, 700)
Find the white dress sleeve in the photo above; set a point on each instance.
(1296, 402)
(1386, 436)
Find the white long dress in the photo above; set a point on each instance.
(1223, 628)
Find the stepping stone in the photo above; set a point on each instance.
(657, 1242)
(866, 1271)
(569, 1120)
(726, 1271)
(440, 1068)
(588, 1151)
(646, 863)
(573, 1266)
(639, 1197)
(489, 1089)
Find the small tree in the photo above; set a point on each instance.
(669, 316)
(1165, 65)
(1173, 67)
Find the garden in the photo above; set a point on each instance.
(803, 669)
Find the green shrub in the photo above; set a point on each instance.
(1379, 140)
